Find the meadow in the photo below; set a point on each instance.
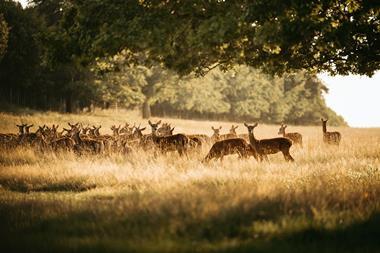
(326, 201)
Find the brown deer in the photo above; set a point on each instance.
(177, 142)
(269, 146)
(216, 135)
(87, 145)
(231, 135)
(202, 137)
(229, 147)
(126, 129)
(295, 137)
(330, 137)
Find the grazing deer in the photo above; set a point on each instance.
(216, 135)
(269, 146)
(295, 137)
(229, 147)
(330, 137)
(177, 142)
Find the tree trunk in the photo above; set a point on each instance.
(68, 104)
(146, 114)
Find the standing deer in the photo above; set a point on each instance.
(269, 146)
(330, 137)
(177, 142)
(229, 147)
(295, 137)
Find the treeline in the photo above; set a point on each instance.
(42, 66)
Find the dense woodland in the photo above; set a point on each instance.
(201, 59)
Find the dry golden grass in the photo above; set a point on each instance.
(138, 202)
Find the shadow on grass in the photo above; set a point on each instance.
(66, 186)
(99, 230)
(359, 237)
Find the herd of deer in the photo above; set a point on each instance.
(124, 139)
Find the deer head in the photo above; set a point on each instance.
(27, 128)
(21, 128)
(233, 129)
(216, 130)
(115, 130)
(282, 129)
(154, 126)
(73, 126)
(138, 132)
(250, 127)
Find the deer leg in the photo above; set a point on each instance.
(287, 156)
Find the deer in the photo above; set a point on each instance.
(202, 137)
(332, 138)
(165, 130)
(88, 144)
(216, 135)
(177, 142)
(265, 147)
(228, 147)
(295, 137)
(232, 134)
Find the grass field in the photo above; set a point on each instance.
(327, 201)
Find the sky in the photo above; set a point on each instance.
(356, 98)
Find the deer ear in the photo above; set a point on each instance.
(256, 124)
(159, 122)
(212, 128)
(172, 129)
(220, 127)
(150, 123)
(142, 129)
(285, 126)
(245, 124)
(236, 127)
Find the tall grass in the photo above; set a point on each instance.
(327, 201)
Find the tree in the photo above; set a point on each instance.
(20, 63)
(131, 84)
(4, 31)
(277, 36)
(246, 94)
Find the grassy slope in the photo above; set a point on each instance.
(327, 201)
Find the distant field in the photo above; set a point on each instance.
(327, 201)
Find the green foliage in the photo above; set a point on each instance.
(277, 36)
(51, 59)
(4, 31)
(242, 93)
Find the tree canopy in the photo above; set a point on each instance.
(277, 36)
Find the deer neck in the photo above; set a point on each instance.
(77, 138)
(252, 138)
(324, 128)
